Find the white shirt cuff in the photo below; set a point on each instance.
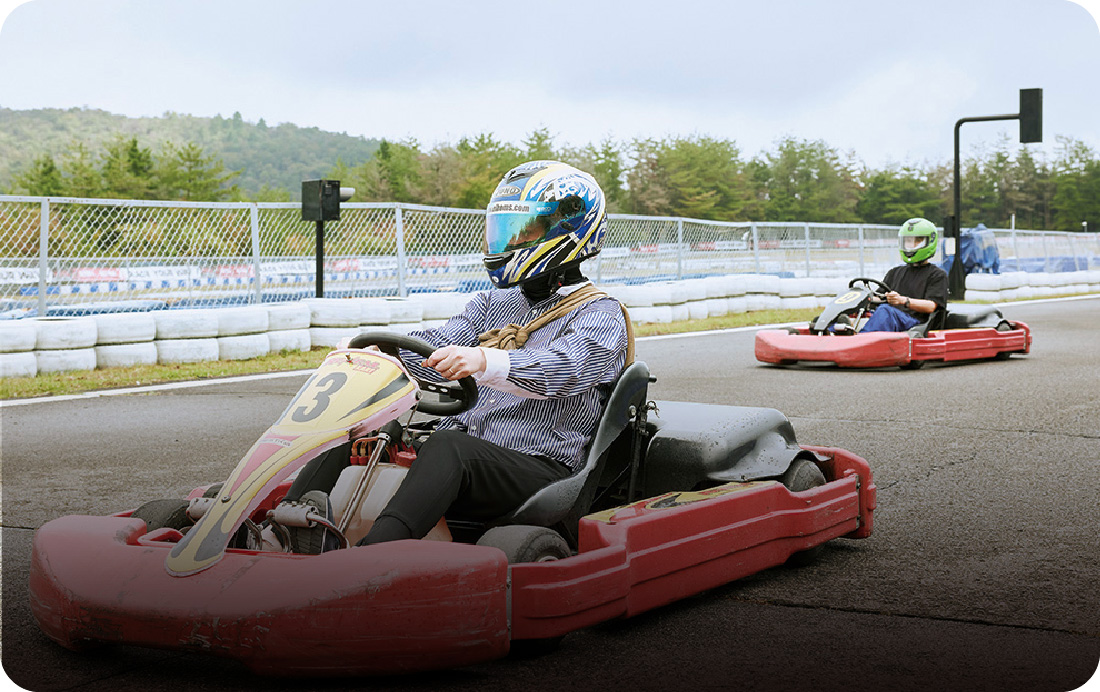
(497, 367)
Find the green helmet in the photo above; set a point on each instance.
(917, 240)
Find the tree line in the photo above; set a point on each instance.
(693, 177)
(798, 180)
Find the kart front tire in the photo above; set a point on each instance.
(158, 514)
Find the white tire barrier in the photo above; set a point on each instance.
(737, 305)
(186, 350)
(239, 321)
(983, 282)
(199, 323)
(717, 307)
(333, 312)
(402, 328)
(244, 346)
(443, 306)
(653, 314)
(20, 364)
(433, 324)
(374, 312)
(287, 316)
(697, 310)
(65, 359)
(56, 333)
(329, 337)
(125, 328)
(289, 340)
(405, 310)
(126, 355)
(17, 336)
(694, 289)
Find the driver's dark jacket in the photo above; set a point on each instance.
(924, 281)
(557, 383)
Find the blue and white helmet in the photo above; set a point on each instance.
(543, 215)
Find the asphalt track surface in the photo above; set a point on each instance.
(981, 574)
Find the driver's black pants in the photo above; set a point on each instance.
(454, 473)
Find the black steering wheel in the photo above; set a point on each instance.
(867, 282)
(456, 397)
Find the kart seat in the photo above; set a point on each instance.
(574, 494)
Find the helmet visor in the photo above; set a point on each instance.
(514, 225)
(910, 243)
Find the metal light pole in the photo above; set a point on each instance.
(1031, 130)
(321, 202)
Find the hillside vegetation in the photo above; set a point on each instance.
(273, 157)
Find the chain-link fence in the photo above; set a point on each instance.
(61, 254)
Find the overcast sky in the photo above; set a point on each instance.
(884, 79)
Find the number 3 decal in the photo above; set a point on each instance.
(326, 387)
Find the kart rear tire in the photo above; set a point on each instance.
(803, 474)
(158, 514)
(528, 544)
(913, 365)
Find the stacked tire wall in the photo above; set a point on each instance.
(33, 346)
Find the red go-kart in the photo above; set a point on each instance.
(962, 332)
(673, 499)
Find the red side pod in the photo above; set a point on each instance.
(409, 605)
(972, 344)
(871, 350)
(659, 550)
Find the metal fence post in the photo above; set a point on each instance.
(860, 236)
(755, 248)
(807, 233)
(1072, 250)
(1046, 254)
(43, 254)
(402, 261)
(679, 248)
(254, 214)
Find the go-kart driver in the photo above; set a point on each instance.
(539, 403)
(919, 287)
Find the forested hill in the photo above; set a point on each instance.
(278, 157)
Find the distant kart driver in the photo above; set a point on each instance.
(919, 287)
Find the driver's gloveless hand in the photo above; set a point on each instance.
(456, 362)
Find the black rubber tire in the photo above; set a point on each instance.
(157, 514)
(803, 474)
(528, 544)
(913, 365)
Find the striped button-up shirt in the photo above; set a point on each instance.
(546, 398)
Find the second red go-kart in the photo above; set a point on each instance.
(674, 498)
(962, 332)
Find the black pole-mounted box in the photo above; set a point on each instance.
(1031, 115)
(320, 200)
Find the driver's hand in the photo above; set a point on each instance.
(456, 362)
(895, 298)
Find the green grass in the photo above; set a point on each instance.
(75, 382)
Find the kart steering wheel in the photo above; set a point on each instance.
(867, 282)
(457, 397)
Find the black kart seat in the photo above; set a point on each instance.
(556, 501)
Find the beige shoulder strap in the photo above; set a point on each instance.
(514, 336)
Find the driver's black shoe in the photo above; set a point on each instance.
(315, 539)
